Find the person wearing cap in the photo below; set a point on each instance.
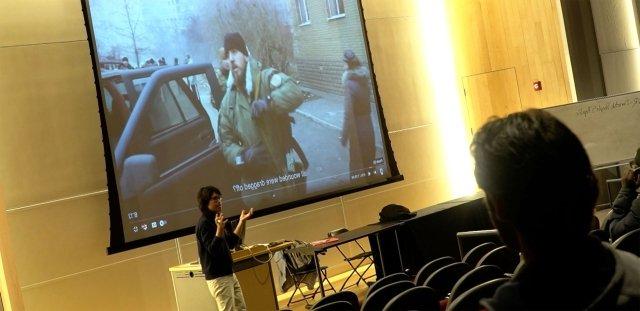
(546, 219)
(625, 215)
(125, 64)
(254, 121)
(357, 128)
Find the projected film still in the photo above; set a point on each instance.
(273, 102)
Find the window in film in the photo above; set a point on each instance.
(302, 11)
(184, 102)
(335, 8)
(164, 112)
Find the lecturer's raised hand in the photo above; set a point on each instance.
(220, 223)
(220, 220)
(244, 215)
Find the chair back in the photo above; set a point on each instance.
(378, 299)
(347, 296)
(431, 267)
(629, 242)
(336, 306)
(419, 298)
(503, 257)
(475, 277)
(600, 234)
(443, 279)
(473, 256)
(391, 278)
(470, 299)
(469, 239)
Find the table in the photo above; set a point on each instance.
(252, 269)
(352, 235)
(428, 235)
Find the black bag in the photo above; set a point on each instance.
(393, 212)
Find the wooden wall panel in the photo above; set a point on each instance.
(469, 37)
(491, 94)
(374, 9)
(491, 35)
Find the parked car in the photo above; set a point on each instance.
(162, 138)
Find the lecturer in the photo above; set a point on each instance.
(215, 239)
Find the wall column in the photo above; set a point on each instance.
(616, 26)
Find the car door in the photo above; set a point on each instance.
(175, 142)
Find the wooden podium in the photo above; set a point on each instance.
(252, 268)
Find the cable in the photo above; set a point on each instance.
(258, 260)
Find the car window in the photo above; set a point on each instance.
(188, 109)
(164, 110)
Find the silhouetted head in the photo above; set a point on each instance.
(539, 184)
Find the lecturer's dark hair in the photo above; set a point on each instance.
(540, 170)
(203, 197)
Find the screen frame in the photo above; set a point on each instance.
(117, 238)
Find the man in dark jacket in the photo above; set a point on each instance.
(547, 219)
(625, 216)
(215, 238)
(357, 128)
(254, 122)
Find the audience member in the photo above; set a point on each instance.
(547, 218)
(626, 207)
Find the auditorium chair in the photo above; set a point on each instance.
(431, 267)
(475, 254)
(378, 299)
(629, 242)
(419, 298)
(503, 257)
(443, 279)
(347, 296)
(475, 277)
(336, 306)
(392, 278)
(470, 299)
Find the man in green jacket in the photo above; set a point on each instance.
(254, 125)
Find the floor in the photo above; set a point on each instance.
(336, 281)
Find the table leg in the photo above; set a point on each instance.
(384, 273)
(399, 252)
(315, 255)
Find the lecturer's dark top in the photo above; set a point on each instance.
(215, 256)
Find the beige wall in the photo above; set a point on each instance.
(52, 165)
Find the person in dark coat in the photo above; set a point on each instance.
(215, 237)
(626, 207)
(357, 129)
(547, 219)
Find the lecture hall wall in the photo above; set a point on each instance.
(52, 164)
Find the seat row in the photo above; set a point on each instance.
(438, 282)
